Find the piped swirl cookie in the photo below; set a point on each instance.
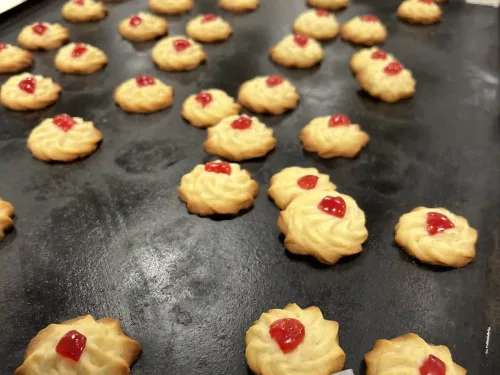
(171, 6)
(80, 346)
(6, 213)
(420, 11)
(268, 94)
(239, 138)
(144, 94)
(26, 92)
(319, 24)
(328, 4)
(208, 107)
(239, 6)
(178, 53)
(209, 28)
(437, 236)
(43, 35)
(367, 30)
(142, 26)
(325, 224)
(83, 11)
(80, 58)
(294, 341)
(369, 57)
(14, 59)
(297, 51)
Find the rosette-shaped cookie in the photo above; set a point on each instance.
(410, 355)
(83, 10)
(144, 94)
(366, 30)
(317, 23)
(63, 138)
(239, 138)
(171, 6)
(294, 181)
(6, 213)
(239, 6)
(217, 188)
(325, 224)
(333, 136)
(26, 92)
(420, 11)
(389, 82)
(294, 341)
(178, 53)
(437, 236)
(268, 94)
(143, 26)
(13, 59)
(43, 35)
(369, 57)
(208, 28)
(208, 107)
(328, 4)
(297, 51)
(80, 346)
(80, 58)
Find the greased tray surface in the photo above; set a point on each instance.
(108, 235)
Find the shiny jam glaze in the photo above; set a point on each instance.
(71, 345)
(322, 13)
(79, 50)
(393, 68)
(218, 167)
(204, 98)
(64, 122)
(39, 28)
(338, 120)
(288, 334)
(3, 46)
(28, 85)
(181, 44)
(380, 55)
(427, 1)
(307, 182)
(209, 17)
(241, 123)
(273, 80)
(334, 206)
(300, 40)
(433, 366)
(143, 81)
(369, 18)
(79, 2)
(437, 223)
(135, 20)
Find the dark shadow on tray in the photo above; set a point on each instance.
(10, 236)
(221, 217)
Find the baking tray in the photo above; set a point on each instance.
(108, 235)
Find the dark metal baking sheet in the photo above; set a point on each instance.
(108, 235)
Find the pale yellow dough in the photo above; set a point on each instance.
(239, 6)
(6, 213)
(211, 31)
(54, 37)
(314, 25)
(147, 99)
(364, 32)
(167, 58)
(13, 97)
(328, 4)
(418, 12)
(150, 28)
(290, 54)
(363, 59)
(14, 59)
(92, 60)
(171, 6)
(318, 354)
(221, 106)
(91, 10)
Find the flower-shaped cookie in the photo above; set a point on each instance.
(143, 26)
(26, 92)
(317, 23)
(178, 53)
(410, 354)
(325, 224)
(369, 57)
(328, 4)
(294, 181)
(217, 188)
(171, 6)
(333, 136)
(294, 341)
(83, 10)
(13, 59)
(208, 28)
(208, 107)
(297, 51)
(144, 94)
(437, 236)
(6, 213)
(239, 138)
(80, 346)
(389, 82)
(268, 94)
(80, 58)
(239, 6)
(366, 30)
(420, 11)
(43, 35)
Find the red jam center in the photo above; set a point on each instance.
(64, 122)
(39, 28)
(241, 123)
(79, 50)
(272, 81)
(221, 167)
(308, 182)
(135, 20)
(300, 40)
(204, 98)
(381, 55)
(437, 223)
(72, 345)
(393, 68)
(338, 120)
(28, 85)
(181, 44)
(322, 13)
(78, 2)
(3, 46)
(433, 366)
(209, 17)
(334, 206)
(288, 334)
(369, 18)
(427, 1)
(143, 81)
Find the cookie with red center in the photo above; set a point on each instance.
(26, 92)
(217, 188)
(239, 6)
(294, 341)
(297, 51)
(209, 107)
(410, 354)
(171, 6)
(294, 181)
(370, 57)
(80, 58)
(420, 12)
(316, 23)
(83, 11)
(209, 28)
(144, 94)
(437, 236)
(14, 59)
(178, 53)
(328, 4)
(366, 30)
(142, 26)
(77, 346)
(43, 35)
(6, 214)
(238, 138)
(268, 94)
